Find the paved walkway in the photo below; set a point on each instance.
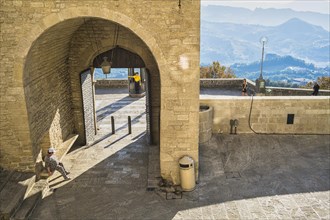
(241, 177)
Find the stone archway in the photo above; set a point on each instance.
(104, 35)
(52, 82)
(172, 38)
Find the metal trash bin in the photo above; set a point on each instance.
(187, 173)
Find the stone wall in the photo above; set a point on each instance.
(111, 83)
(48, 92)
(280, 91)
(236, 84)
(270, 114)
(230, 83)
(45, 45)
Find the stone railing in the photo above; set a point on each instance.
(236, 84)
(230, 84)
(280, 91)
(111, 83)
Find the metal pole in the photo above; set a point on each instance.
(113, 125)
(129, 125)
(262, 59)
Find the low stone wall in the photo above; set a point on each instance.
(236, 84)
(230, 83)
(205, 123)
(270, 114)
(111, 83)
(280, 91)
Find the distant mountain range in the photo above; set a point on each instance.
(231, 43)
(281, 68)
(298, 42)
(259, 16)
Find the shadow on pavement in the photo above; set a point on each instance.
(268, 165)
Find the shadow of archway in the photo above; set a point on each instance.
(115, 186)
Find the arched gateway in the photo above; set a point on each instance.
(41, 101)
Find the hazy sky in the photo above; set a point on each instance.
(322, 6)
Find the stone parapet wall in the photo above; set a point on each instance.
(280, 91)
(270, 114)
(236, 83)
(230, 83)
(111, 83)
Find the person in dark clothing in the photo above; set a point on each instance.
(137, 82)
(316, 88)
(244, 88)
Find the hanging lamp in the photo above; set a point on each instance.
(106, 66)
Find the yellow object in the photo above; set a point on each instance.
(136, 77)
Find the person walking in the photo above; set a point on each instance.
(52, 164)
(244, 88)
(316, 88)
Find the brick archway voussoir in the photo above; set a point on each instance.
(107, 14)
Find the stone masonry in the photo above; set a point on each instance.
(45, 45)
(88, 105)
(270, 114)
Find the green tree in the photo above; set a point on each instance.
(324, 83)
(229, 73)
(215, 70)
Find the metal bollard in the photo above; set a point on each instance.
(129, 125)
(113, 125)
(231, 126)
(233, 123)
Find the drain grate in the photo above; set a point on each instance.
(233, 175)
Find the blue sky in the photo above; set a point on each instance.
(321, 6)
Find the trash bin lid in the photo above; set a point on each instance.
(186, 160)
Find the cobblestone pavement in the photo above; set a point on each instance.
(241, 177)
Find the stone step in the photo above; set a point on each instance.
(13, 193)
(5, 175)
(31, 201)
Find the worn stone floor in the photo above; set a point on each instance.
(241, 177)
